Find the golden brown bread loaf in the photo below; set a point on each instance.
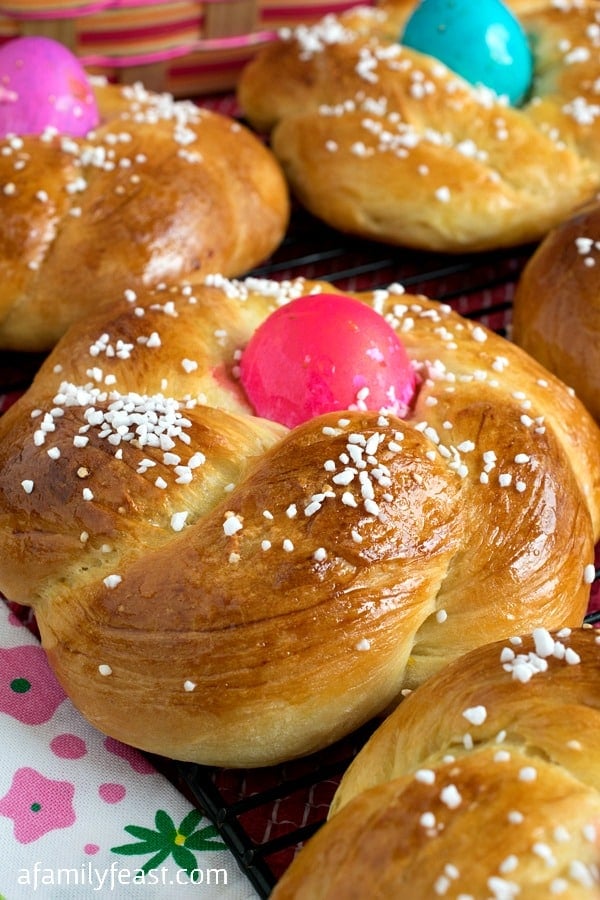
(484, 783)
(556, 309)
(384, 142)
(160, 190)
(210, 586)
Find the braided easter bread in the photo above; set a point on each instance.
(385, 142)
(485, 782)
(216, 587)
(556, 310)
(159, 190)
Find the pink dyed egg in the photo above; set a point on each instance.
(43, 85)
(322, 353)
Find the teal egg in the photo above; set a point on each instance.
(478, 39)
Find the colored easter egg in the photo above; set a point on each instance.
(322, 353)
(43, 85)
(481, 41)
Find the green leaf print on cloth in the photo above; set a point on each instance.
(168, 840)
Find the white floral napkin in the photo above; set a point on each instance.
(82, 815)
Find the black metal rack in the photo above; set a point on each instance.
(263, 861)
(468, 282)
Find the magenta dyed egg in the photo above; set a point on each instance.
(42, 84)
(322, 353)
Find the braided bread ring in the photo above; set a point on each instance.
(483, 783)
(160, 190)
(212, 587)
(556, 309)
(386, 143)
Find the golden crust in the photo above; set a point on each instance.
(478, 784)
(160, 190)
(556, 310)
(386, 143)
(246, 610)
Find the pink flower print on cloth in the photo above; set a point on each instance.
(29, 690)
(37, 805)
(135, 759)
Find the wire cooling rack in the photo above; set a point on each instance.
(478, 285)
(265, 815)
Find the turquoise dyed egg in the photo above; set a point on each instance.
(478, 39)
